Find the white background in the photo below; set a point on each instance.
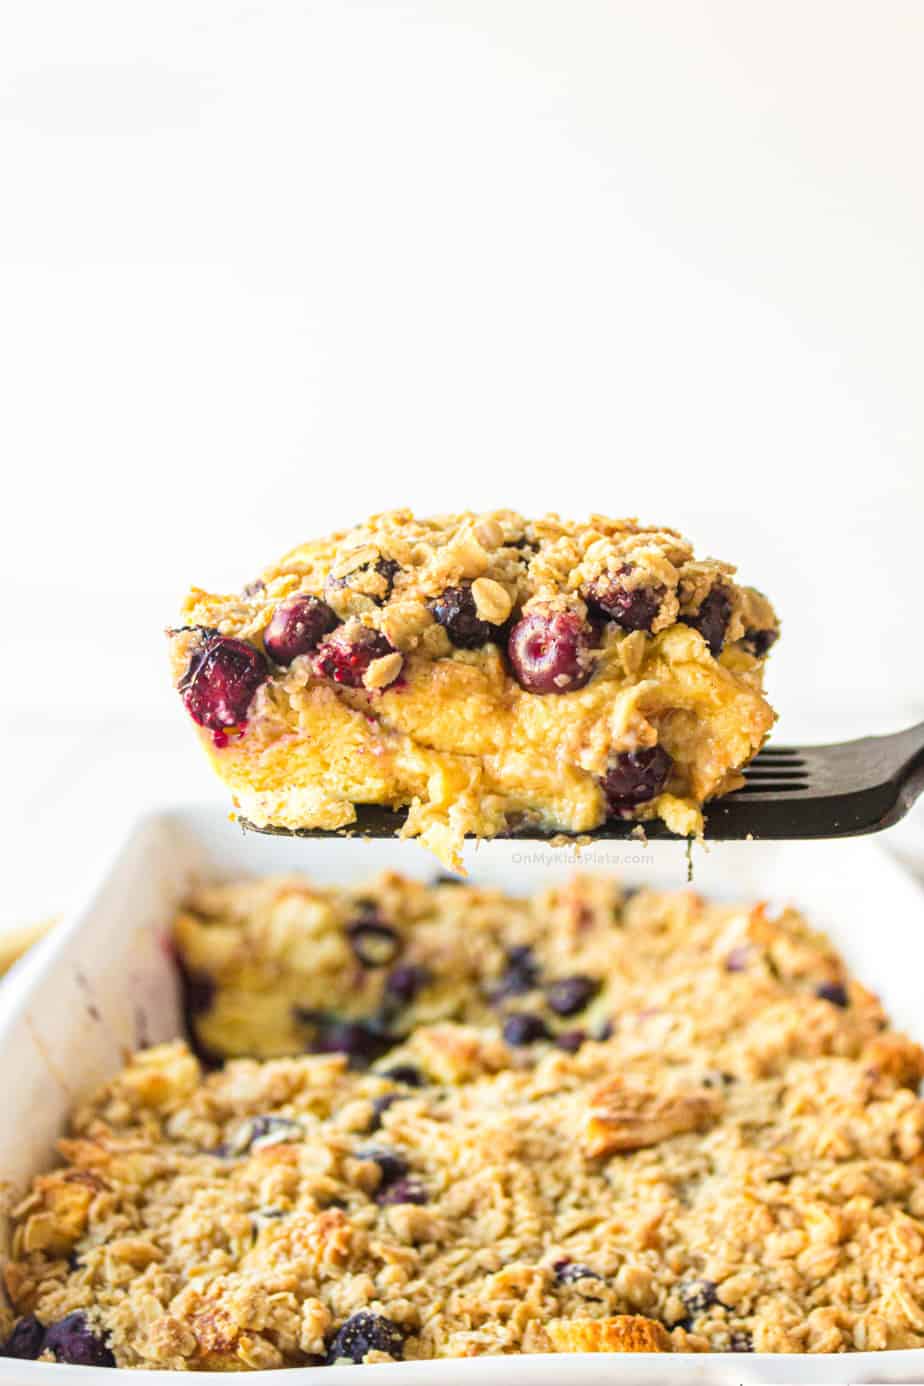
(266, 267)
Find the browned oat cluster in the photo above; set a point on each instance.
(576, 1122)
(484, 671)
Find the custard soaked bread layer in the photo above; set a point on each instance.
(580, 1122)
(487, 672)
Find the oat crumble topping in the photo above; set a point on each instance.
(592, 1122)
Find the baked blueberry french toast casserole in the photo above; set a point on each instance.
(418, 1122)
(488, 673)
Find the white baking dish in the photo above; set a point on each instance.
(104, 982)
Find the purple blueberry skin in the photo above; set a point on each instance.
(698, 1295)
(375, 943)
(346, 661)
(297, 627)
(401, 1191)
(198, 991)
(363, 1333)
(833, 992)
(218, 687)
(380, 1105)
(568, 995)
(520, 975)
(385, 567)
(72, 1340)
(524, 1028)
(570, 1040)
(456, 612)
(712, 619)
(391, 1165)
(407, 1074)
(759, 642)
(26, 1340)
(362, 1043)
(633, 608)
(403, 983)
(550, 652)
(634, 777)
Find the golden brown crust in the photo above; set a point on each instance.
(622, 1117)
(622, 1333)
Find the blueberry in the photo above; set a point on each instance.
(456, 612)
(401, 1191)
(568, 1272)
(26, 1340)
(198, 991)
(385, 568)
(633, 608)
(297, 626)
(347, 653)
(381, 1105)
(520, 956)
(362, 1042)
(407, 1074)
(363, 1333)
(741, 1342)
(524, 1028)
(550, 651)
(403, 983)
(220, 682)
(519, 976)
(391, 1166)
(72, 1340)
(712, 619)
(570, 1040)
(568, 995)
(635, 777)
(833, 992)
(758, 642)
(698, 1295)
(375, 943)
